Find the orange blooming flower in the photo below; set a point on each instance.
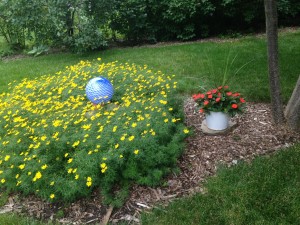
(234, 106)
(196, 96)
(242, 100)
(220, 99)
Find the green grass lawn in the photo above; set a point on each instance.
(265, 192)
(195, 64)
(13, 219)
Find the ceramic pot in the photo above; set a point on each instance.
(217, 120)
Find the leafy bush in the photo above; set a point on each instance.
(58, 145)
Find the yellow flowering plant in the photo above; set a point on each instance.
(58, 145)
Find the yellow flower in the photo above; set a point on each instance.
(76, 177)
(136, 151)
(115, 128)
(55, 134)
(37, 176)
(70, 160)
(103, 167)
(166, 120)
(52, 183)
(44, 137)
(89, 181)
(116, 146)
(134, 125)
(7, 157)
(57, 123)
(86, 126)
(131, 138)
(186, 131)
(163, 102)
(44, 167)
(76, 143)
(22, 166)
(52, 196)
(3, 181)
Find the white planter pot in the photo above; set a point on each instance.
(217, 120)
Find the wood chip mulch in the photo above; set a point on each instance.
(254, 135)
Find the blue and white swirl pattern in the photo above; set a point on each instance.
(99, 90)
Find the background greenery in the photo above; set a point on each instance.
(84, 25)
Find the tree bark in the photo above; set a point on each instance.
(292, 110)
(272, 37)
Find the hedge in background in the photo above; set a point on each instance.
(83, 25)
(58, 145)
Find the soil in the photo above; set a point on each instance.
(254, 135)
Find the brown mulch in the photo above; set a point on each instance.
(254, 135)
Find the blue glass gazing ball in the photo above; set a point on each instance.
(99, 90)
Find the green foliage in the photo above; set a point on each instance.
(53, 23)
(36, 51)
(80, 25)
(56, 144)
(130, 18)
(178, 19)
(263, 192)
(148, 20)
(89, 38)
(152, 20)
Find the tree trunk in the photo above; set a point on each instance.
(292, 110)
(272, 37)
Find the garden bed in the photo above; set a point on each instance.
(255, 135)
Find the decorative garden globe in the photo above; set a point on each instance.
(99, 90)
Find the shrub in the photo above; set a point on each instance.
(58, 145)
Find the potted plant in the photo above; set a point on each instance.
(218, 105)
